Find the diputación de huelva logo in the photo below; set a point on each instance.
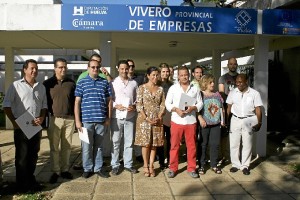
(89, 10)
(243, 18)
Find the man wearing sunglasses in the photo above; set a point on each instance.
(93, 111)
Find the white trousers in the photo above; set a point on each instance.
(240, 138)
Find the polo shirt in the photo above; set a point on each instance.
(243, 104)
(86, 73)
(173, 98)
(123, 90)
(21, 97)
(60, 96)
(93, 94)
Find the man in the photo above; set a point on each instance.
(123, 118)
(60, 97)
(93, 110)
(226, 84)
(26, 95)
(132, 75)
(197, 73)
(244, 103)
(140, 81)
(183, 122)
(102, 73)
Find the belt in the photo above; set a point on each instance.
(242, 117)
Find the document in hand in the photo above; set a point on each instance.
(123, 114)
(25, 124)
(83, 136)
(186, 100)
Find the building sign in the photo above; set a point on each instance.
(281, 22)
(96, 17)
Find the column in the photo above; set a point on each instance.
(9, 75)
(216, 66)
(261, 76)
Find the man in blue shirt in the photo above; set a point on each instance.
(93, 111)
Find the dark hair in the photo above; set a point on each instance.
(25, 65)
(96, 55)
(130, 60)
(59, 60)
(197, 67)
(122, 62)
(149, 71)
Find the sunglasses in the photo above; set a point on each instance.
(95, 67)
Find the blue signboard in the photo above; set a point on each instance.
(96, 17)
(281, 22)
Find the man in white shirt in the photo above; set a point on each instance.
(244, 103)
(183, 121)
(123, 118)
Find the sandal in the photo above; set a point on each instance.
(201, 171)
(146, 172)
(217, 170)
(152, 172)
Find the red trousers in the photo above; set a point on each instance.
(189, 131)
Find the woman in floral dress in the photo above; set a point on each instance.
(149, 127)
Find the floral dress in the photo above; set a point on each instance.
(153, 105)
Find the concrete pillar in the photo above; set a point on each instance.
(216, 63)
(261, 77)
(105, 52)
(9, 75)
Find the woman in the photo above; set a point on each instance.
(165, 83)
(149, 130)
(210, 118)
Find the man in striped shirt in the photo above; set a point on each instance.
(93, 112)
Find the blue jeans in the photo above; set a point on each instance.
(92, 157)
(122, 128)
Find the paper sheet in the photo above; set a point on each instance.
(84, 135)
(186, 100)
(25, 124)
(123, 114)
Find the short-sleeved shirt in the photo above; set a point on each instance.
(86, 73)
(228, 81)
(138, 78)
(121, 91)
(94, 94)
(21, 97)
(211, 111)
(60, 96)
(195, 83)
(243, 104)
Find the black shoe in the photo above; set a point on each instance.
(131, 170)
(78, 166)
(87, 174)
(162, 167)
(115, 171)
(53, 178)
(246, 171)
(66, 175)
(139, 159)
(102, 174)
(233, 169)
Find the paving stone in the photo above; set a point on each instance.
(188, 189)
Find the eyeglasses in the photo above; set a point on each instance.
(95, 67)
(131, 66)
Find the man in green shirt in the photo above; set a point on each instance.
(103, 73)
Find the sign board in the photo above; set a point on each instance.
(281, 22)
(140, 18)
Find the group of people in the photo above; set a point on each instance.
(145, 112)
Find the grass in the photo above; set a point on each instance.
(35, 196)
